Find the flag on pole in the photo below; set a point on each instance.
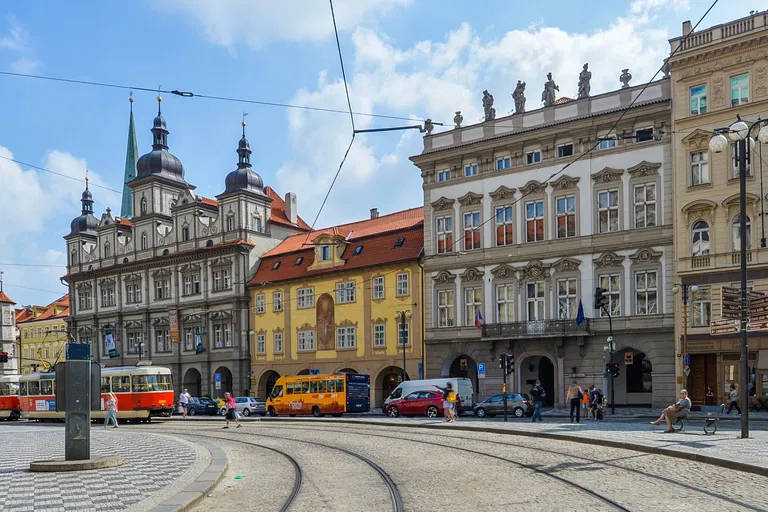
(580, 314)
(478, 318)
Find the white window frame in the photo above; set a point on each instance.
(473, 300)
(561, 150)
(217, 280)
(607, 142)
(189, 338)
(306, 341)
(446, 314)
(144, 241)
(378, 288)
(231, 223)
(533, 157)
(218, 335)
(647, 292)
(261, 344)
(535, 219)
(700, 231)
(346, 337)
(612, 283)
(503, 220)
(260, 302)
(472, 227)
(277, 342)
(379, 335)
(644, 206)
(609, 210)
(277, 301)
(345, 292)
(699, 168)
(736, 233)
(471, 170)
(444, 234)
(305, 298)
(325, 252)
(537, 301)
(227, 334)
(503, 163)
(403, 333)
(568, 211)
(567, 299)
(443, 175)
(505, 303)
(701, 307)
(741, 89)
(698, 96)
(403, 284)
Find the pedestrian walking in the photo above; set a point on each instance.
(111, 407)
(574, 398)
(734, 395)
(537, 394)
(449, 402)
(710, 396)
(184, 400)
(595, 402)
(231, 414)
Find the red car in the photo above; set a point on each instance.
(418, 403)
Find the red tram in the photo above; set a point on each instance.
(9, 397)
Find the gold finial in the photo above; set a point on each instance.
(130, 96)
(243, 122)
(159, 98)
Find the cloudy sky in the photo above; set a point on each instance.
(409, 58)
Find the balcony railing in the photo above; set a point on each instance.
(722, 260)
(537, 329)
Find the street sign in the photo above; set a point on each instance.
(731, 302)
(757, 326)
(720, 327)
(687, 359)
(757, 306)
(421, 370)
(217, 380)
(314, 371)
(480, 370)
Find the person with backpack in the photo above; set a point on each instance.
(537, 395)
(449, 402)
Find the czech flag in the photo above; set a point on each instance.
(478, 318)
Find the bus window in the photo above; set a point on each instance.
(46, 387)
(313, 386)
(305, 387)
(33, 387)
(163, 383)
(331, 386)
(339, 385)
(105, 384)
(289, 388)
(121, 384)
(277, 392)
(22, 388)
(321, 386)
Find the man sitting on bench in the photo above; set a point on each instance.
(673, 412)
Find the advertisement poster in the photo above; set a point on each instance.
(173, 320)
(43, 405)
(109, 341)
(198, 342)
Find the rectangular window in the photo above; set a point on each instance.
(129, 293)
(277, 340)
(471, 231)
(162, 340)
(85, 299)
(739, 90)
(402, 285)
(445, 309)
(565, 207)
(256, 224)
(189, 338)
(305, 298)
(216, 280)
(534, 221)
(612, 283)
(470, 170)
(534, 298)
(379, 336)
(403, 333)
(565, 151)
(261, 344)
(644, 135)
(184, 234)
(346, 337)
(191, 284)
(646, 293)
(162, 289)
(108, 296)
(645, 205)
(444, 234)
(260, 303)
(701, 306)
(607, 143)
(698, 100)
(378, 288)
(277, 301)
(503, 163)
(325, 252)
(227, 335)
(699, 168)
(218, 335)
(473, 300)
(608, 210)
(567, 301)
(345, 292)
(533, 157)
(505, 303)
(306, 341)
(444, 175)
(504, 226)
(226, 279)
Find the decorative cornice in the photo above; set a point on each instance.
(608, 175)
(379, 320)
(698, 139)
(719, 56)
(444, 277)
(133, 324)
(160, 321)
(646, 256)
(132, 277)
(306, 326)
(504, 272)
(192, 319)
(565, 182)
(443, 204)
(566, 265)
(470, 199)
(502, 193)
(219, 315)
(346, 323)
(472, 274)
(106, 281)
(535, 269)
(533, 187)
(162, 272)
(644, 169)
(608, 259)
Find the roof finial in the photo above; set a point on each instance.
(159, 99)
(86, 179)
(1, 280)
(243, 123)
(130, 99)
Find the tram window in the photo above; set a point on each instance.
(140, 383)
(289, 388)
(46, 387)
(5, 389)
(22, 388)
(105, 385)
(121, 384)
(313, 386)
(321, 386)
(339, 385)
(163, 383)
(305, 388)
(331, 386)
(33, 387)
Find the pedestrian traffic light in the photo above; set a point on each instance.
(3, 357)
(600, 298)
(609, 368)
(615, 370)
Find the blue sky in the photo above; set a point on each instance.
(411, 58)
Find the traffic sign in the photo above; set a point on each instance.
(217, 377)
(731, 302)
(720, 327)
(480, 370)
(314, 371)
(758, 306)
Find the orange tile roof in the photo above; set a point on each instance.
(4, 299)
(564, 99)
(369, 227)
(124, 222)
(63, 301)
(23, 314)
(63, 314)
(208, 201)
(279, 214)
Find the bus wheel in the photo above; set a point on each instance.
(316, 412)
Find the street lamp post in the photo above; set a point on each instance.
(684, 345)
(402, 340)
(739, 132)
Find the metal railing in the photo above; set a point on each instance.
(537, 328)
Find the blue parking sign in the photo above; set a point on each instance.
(480, 370)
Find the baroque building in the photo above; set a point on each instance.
(345, 298)
(717, 74)
(515, 245)
(43, 335)
(168, 285)
(8, 342)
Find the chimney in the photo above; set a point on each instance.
(290, 207)
(374, 213)
(687, 28)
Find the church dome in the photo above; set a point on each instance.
(160, 162)
(244, 177)
(85, 222)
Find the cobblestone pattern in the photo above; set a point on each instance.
(152, 463)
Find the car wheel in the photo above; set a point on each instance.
(271, 412)
(392, 412)
(316, 412)
(480, 412)
(246, 412)
(432, 411)
(518, 412)
(191, 412)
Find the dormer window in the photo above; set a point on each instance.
(298, 261)
(276, 265)
(399, 242)
(358, 250)
(325, 252)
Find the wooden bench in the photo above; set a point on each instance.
(713, 413)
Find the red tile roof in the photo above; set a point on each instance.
(23, 314)
(63, 301)
(279, 214)
(209, 201)
(63, 314)
(395, 221)
(124, 222)
(564, 99)
(4, 299)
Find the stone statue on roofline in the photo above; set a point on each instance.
(519, 97)
(584, 77)
(490, 112)
(548, 94)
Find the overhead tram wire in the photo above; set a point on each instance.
(38, 168)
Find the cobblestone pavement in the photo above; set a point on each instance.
(155, 466)
(438, 470)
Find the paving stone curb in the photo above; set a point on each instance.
(207, 480)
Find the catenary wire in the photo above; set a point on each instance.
(90, 183)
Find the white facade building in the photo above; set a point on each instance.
(9, 342)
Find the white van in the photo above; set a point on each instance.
(462, 386)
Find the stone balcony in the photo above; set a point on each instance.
(537, 329)
(721, 261)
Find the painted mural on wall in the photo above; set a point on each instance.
(325, 323)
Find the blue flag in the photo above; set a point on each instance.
(580, 314)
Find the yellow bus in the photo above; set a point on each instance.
(319, 395)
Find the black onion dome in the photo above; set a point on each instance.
(85, 222)
(160, 162)
(244, 177)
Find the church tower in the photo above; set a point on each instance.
(131, 156)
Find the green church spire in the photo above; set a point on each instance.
(131, 156)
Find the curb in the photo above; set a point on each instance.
(204, 483)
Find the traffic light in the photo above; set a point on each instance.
(3, 357)
(507, 361)
(615, 370)
(609, 368)
(600, 299)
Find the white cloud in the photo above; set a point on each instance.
(16, 41)
(26, 66)
(259, 22)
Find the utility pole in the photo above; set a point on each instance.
(601, 303)
(507, 365)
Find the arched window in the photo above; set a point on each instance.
(736, 233)
(700, 238)
(230, 223)
(143, 205)
(74, 258)
(144, 242)
(107, 250)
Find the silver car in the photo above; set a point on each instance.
(518, 404)
(247, 405)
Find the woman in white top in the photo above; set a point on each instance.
(111, 407)
(734, 395)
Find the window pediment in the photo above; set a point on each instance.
(608, 175)
(470, 198)
(221, 315)
(733, 200)
(699, 139)
(163, 272)
(566, 265)
(160, 321)
(379, 320)
(106, 282)
(132, 277)
(533, 187)
(443, 204)
(306, 326)
(502, 193)
(472, 274)
(444, 277)
(133, 324)
(504, 272)
(346, 323)
(535, 269)
(646, 256)
(608, 259)
(699, 204)
(220, 262)
(85, 329)
(644, 169)
(193, 318)
(84, 287)
(191, 267)
(565, 182)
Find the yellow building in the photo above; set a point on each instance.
(43, 331)
(335, 301)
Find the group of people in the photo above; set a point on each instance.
(591, 401)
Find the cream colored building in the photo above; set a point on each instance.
(719, 73)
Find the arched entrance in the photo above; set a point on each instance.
(193, 382)
(533, 368)
(266, 383)
(305, 371)
(462, 366)
(386, 381)
(347, 370)
(634, 385)
(225, 381)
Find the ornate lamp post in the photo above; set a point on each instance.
(685, 288)
(402, 340)
(739, 132)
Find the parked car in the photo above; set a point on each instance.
(247, 405)
(417, 403)
(201, 407)
(462, 386)
(518, 404)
